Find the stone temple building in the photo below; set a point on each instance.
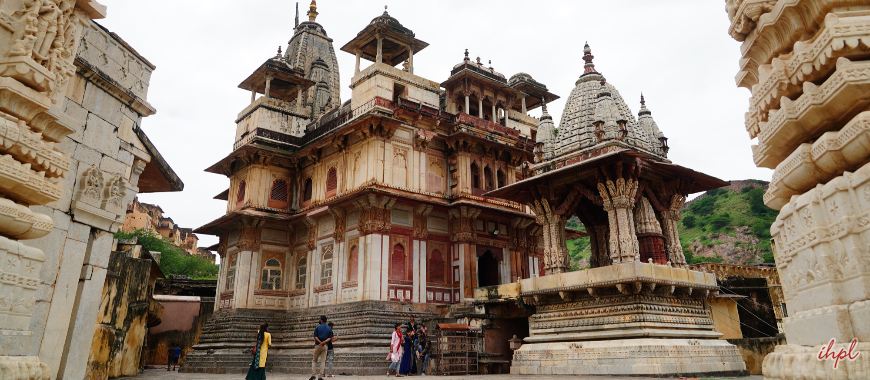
(423, 198)
(806, 64)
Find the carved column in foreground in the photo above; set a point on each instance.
(38, 42)
(670, 217)
(808, 111)
(556, 258)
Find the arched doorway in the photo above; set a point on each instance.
(487, 270)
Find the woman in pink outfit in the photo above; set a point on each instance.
(395, 351)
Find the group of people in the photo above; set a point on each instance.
(407, 347)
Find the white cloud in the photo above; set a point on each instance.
(678, 53)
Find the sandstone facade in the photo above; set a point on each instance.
(805, 62)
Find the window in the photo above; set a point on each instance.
(306, 191)
(475, 176)
(301, 272)
(279, 197)
(500, 178)
(487, 177)
(271, 275)
(331, 182)
(240, 195)
(397, 263)
(436, 268)
(231, 274)
(326, 267)
(352, 264)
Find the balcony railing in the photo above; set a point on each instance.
(487, 125)
(267, 134)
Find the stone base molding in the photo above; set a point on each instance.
(794, 362)
(23, 368)
(643, 357)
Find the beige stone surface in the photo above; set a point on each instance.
(808, 95)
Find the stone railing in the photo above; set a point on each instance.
(487, 125)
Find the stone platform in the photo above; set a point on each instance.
(625, 319)
(363, 327)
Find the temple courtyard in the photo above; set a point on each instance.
(155, 374)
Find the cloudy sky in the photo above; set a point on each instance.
(677, 52)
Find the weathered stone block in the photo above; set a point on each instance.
(79, 232)
(101, 136)
(113, 166)
(103, 104)
(79, 117)
(87, 156)
(100, 249)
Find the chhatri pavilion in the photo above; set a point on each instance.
(447, 201)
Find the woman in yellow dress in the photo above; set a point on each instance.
(258, 364)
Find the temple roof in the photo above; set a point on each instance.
(595, 112)
(390, 21)
(537, 91)
(285, 79)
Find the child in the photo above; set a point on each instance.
(330, 354)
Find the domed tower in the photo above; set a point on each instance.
(655, 136)
(311, 50)
(592, 94)
(545, 138)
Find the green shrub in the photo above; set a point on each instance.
(746, 189)
(689, 221)
(720, 221)
(716, 192)
(768, 258)
(703, 206)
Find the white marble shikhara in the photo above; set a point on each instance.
(805, 63)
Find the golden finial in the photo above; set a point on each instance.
(312, 11)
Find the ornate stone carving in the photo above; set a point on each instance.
(311, 225)
(250, 232)
(374, 214)
(421, 218)
(555, 246)
(618, 198)
(99, 201)
(339, 216)
(462, 222)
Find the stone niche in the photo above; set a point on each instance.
(625, 319)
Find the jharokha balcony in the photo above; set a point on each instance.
(487, 125)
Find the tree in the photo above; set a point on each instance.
(720, 221)
(689, 221)
(173, 260)
(703, 206)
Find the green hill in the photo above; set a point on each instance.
(730, 225)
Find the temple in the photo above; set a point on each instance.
(449, 202)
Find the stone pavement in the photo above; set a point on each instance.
(162, 374)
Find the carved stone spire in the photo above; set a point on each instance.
(312, 11)
(589, 67)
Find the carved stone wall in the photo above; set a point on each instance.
(806, 111)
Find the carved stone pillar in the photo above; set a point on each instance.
(618, 200)
(421, 219)
(311, 242)
(670, 218)
(649, 233)
(462, 222)
(556, 258)
(374, 214)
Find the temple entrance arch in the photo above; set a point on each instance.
(487, 270)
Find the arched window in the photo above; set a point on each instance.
(271, 275)
(353, 264)
(326, 267)
(397, 263)
(487, 177)
(307, 191)
(301, 273)
(279, 197)
(436, 268)
(331, 182)
(240, 195)
(475, 176)
(500, 178)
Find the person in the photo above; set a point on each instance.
(395, 350)
(330, 353)
(422, 344)
(409, 360)
(411, 325)
(261, 350)
(173, 354)
(321, 336)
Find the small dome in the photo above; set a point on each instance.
(390, 21)
(478, 66)
(520, 77)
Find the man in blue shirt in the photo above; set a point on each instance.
(322, 336)
(174, 354)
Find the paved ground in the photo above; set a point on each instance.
(162, 374)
